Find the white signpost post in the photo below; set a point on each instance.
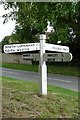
(42, 66)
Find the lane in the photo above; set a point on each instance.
(69, 82)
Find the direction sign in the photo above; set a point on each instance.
(34, 57)
(33, 47)
(55, 57)
(57, 48)
(58, 57)
(21, 47)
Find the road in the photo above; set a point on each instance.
(69, 82)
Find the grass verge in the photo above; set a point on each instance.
(55, 69)
(21, 99)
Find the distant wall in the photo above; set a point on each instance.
(13, 58)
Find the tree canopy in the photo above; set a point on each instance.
(31, 20)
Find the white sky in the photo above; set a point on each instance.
(7, 28)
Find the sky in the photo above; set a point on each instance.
(7, 28)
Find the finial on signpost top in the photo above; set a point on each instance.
(50, 28)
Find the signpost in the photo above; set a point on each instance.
(42, 57)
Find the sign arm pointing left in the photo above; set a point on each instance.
(21, 47)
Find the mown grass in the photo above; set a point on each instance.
(55, 69)
(21, 99)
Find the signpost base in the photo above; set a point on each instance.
(43, 79)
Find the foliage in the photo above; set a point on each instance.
(5, 40)
(31, 20)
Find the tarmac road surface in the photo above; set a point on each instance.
(68, 82)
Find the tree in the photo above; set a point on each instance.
(5, 40)
(31, 19)
(14, 38)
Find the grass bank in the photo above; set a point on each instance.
(22, 99)
(55, 69)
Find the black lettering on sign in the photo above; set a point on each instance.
(49, 55)
(18, 50)
(59, 48)
(7, 50)
(7, 46)
(65, 49)
(12, 46)
(27, 55)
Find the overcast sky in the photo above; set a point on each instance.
(7, 28)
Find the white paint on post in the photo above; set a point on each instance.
(42, 66)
